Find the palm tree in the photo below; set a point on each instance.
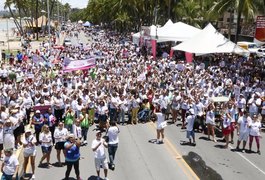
(246, 8)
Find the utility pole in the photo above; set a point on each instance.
(49, 24)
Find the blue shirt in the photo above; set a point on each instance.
(73, 153)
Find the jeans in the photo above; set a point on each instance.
(142, 115)
(121, 116)
(69, 165)
(84, 132)
(113, 114)
(7, 177)
(112, 148)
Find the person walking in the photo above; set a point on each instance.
(60, 135)
(9, 166)
(98, 146)
(255, 130)
(29, 152)
(72, 155)
(243, 129)
(46, 145)
(113, 132)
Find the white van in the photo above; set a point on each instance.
(251, 46)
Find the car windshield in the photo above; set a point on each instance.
(252, 46)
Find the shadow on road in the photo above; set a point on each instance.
(200, 168)
(93, 178)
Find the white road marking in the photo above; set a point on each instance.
(255, 166)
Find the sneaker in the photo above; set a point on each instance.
(33, 176)
(243, 151)
(85, 142)
(258, 152)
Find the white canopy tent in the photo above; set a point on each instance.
(170, 32)
(176, 32)
(209, 40)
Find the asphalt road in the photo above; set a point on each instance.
(137, 158)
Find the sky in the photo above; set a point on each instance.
(73, 3)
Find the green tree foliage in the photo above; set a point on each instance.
(246, 8)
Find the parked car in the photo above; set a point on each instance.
(252, 47)
(261, 52)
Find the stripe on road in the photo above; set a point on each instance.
(251, 163)
(178, 157)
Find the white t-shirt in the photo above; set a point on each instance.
(113, 132)
(46, 139)
(100, 152)
(210, 117)
(10, 164)
(30, 144)
(254, 129)
(244, 122)
(102, 110)
(60, 134)
(190, 120)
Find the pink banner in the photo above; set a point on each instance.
(153, 42)
(80, 65)
(171, 53)
(188, 57)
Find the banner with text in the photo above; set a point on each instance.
(80, 65)
(260, 30)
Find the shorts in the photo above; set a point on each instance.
(59, 145)
(190, 134)
(101, 161)
(233, 126)
(27, 154)
(226, 131)
(243, 136)
(46, 150)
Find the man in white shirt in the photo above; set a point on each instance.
(243, 130)
(190, 123)
(98, 146)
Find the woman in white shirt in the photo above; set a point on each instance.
(102, 112)
(29, 151)
(46, 144)
(210, 121)
(60, 135)
(161, 124)
(255, 130)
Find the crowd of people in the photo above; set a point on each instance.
(50, 107)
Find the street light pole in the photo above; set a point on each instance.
(49, 24)
(7, 35)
